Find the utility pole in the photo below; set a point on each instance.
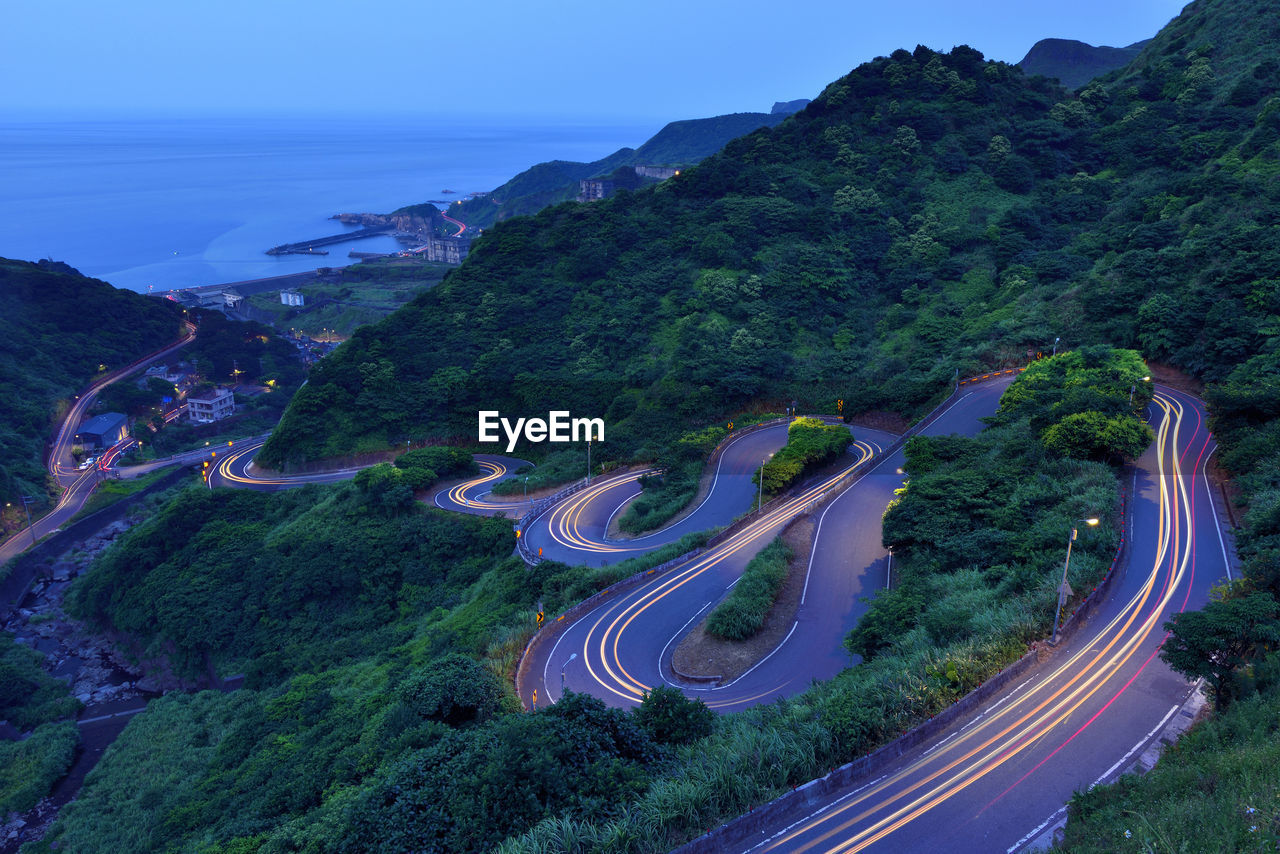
(26, 499)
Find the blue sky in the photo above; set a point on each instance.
(565, 58)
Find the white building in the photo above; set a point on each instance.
(291, 297)
(212, 405)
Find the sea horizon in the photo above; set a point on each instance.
(150, 202)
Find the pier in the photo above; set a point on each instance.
(310, 247)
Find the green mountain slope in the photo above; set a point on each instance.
(680, 143)
(1074, 63)
(56, 328)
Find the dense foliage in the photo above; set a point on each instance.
(743, 611)
(810, 443)
(1214, 790)
(677, 144)
(299, 580)
(39, 707)
(928, 213)
(57, 328)
(982, 524)
(379, 639)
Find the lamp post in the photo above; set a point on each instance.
(562, 669)
(1134, 388)
(588, 460)
(26, 499)
(760, 497)
(1055, 345)
(1064, 589)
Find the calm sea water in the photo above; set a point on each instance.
(173, 203)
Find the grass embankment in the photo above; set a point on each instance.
(111, 491)
(1216, 789)
(743, 612)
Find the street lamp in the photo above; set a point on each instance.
(1134, 388)
(588, 460)
(562, 669)
(760, 497)
(26, 499)
(1064, 589)
(1055, 345)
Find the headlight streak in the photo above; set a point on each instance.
(967, 764)
(493, 471)
(620, 682)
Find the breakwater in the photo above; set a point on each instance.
(311, 247)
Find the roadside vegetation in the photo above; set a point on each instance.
(43, 711)
(929, 213)
(680, 468)
(59, 330)
(743, 611)
(110, 491)
(810, 444)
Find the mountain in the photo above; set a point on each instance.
(1075, 63)
(56, 328)
(928, 213)
(679, 143)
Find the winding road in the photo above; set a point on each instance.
(999, 779)
(996, 779)
(78, 485)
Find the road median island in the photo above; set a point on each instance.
(702, 657)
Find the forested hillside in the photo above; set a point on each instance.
(677, 144)
(56, 328)
(928, 212)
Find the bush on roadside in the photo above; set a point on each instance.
(742, 614)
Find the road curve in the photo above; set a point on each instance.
(623, 647)
(78, 485)
(997, 779)
(576, 530)
(473, 495)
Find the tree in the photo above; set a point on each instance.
(672, 718)
(1092, 435)
(454, 689)
(1224, 637)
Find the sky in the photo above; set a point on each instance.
(572, 59)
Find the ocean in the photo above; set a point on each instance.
(168, 203)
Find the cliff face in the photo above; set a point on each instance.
(415, 222)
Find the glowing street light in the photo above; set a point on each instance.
(1064, 589)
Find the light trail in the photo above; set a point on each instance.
(1119, 650)
(605, 635)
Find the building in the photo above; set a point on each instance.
(449, 250)
(291, 297)
(102, 431)
(594, 189)
(215, 404)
